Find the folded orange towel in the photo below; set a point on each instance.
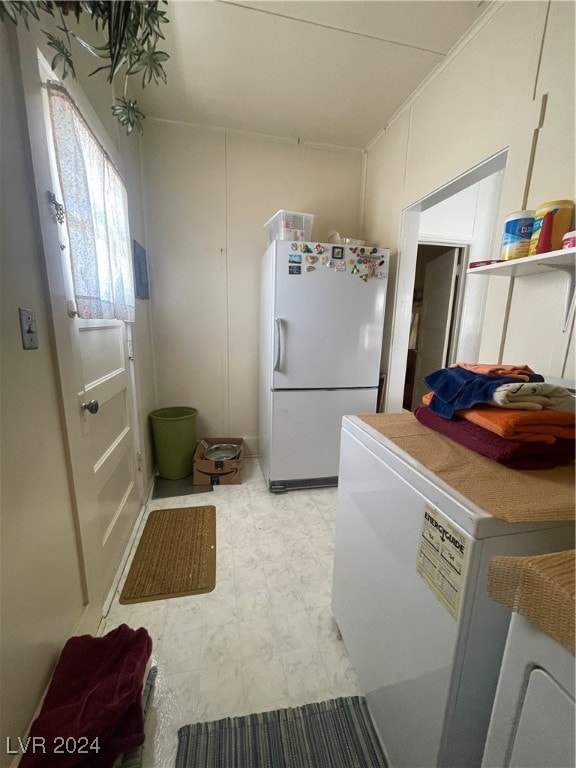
(528, 426)
(496, 369)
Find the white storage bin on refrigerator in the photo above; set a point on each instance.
(290, 225)
(427, 651)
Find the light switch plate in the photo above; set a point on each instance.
(28, 328)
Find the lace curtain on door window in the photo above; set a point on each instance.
(96, 209)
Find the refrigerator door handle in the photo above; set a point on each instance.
(278, 342)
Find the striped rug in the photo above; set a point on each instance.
(332, 734)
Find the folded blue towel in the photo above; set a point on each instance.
(456, 388)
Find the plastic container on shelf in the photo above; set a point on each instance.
(290, 225)
(174, 433)
(569, 240)
(517, 233)
(562, 211)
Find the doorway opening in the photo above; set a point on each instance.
(463, 214)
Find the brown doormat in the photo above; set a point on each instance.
(176, 556)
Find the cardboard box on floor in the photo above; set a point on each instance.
(226, 472)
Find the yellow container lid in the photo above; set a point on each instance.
(555, 204)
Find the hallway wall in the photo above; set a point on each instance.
(484, 100)
(207, 195)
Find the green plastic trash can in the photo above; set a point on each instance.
(174, 433)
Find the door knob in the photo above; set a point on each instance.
(91, 407)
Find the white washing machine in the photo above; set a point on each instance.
(532, 723)
(410, 598)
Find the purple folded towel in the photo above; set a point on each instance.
(512, 453)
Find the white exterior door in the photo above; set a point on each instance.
(95, 381)
(107, 437)
(435, 319)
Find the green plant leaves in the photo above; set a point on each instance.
(128, 114)
(63, 58)
(150, 63)
(132, 30)
(11, 11)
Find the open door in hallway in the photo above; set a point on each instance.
(436, 319)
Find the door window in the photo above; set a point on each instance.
(96, 214)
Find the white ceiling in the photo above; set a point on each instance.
(324, 71)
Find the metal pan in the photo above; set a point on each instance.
(222, 452)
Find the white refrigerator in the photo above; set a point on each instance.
(322, 317)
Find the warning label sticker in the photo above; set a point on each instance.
(442, 557)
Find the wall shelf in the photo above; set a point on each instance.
(529, 265)
(562, 261)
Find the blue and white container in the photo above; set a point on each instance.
(517, 232)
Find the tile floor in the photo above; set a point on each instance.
(265, 637)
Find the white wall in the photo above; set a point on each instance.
(141, 329)
(185, 204)
(468, 217)
(452, 219)
(208, 194)
(486, 98)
